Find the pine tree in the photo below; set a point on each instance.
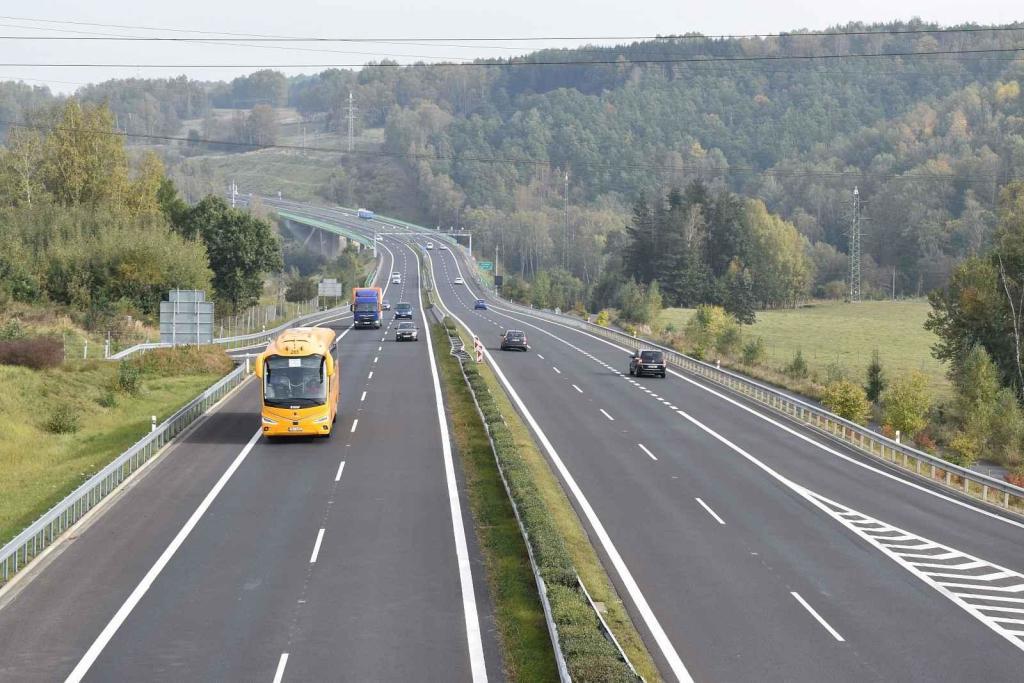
(876, 378)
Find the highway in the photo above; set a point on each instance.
(746, 547)
(348, 558)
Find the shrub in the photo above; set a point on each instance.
(128, 377)
(876, 378)
(602, 319)
(754, 352)
(37, 353)
(63, 420)
(965, 449)
(729, 339)
(925, 442)
(108, 399)
(847, 400)
(834, 372)
(12, 330)
(183, 360)
(1016, 476)
(906, 402)
(797, 368)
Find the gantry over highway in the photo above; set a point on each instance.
(746, 546)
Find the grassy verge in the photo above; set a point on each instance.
(526, 647)
(833, 332)
(39, 466)
(561, 547)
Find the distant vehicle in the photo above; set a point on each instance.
(403, 310)
(366, 306)
(407, 331)
(396, 279)
(444, 248)
(480, 305)
(514, 339)
(430, 246)
(364, 213)
(299, 383)
(380, 238)
(458, 281)
(647, 362)
(385, 305)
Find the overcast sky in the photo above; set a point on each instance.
(403, 19)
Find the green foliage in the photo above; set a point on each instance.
(108, 399)
(63, 420)
(991, 421)
(129, 377)
(876, 381)
(301, 289)
(754, 352)
(834, 372)
(632, 303)
(797, 368)
(906, 402)
(602, 318)
(847, 400)
(12, 330)
(711, 327)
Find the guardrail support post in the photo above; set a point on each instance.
(152, 423)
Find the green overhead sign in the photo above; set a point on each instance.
(486, 265)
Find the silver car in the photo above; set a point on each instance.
(407, 331)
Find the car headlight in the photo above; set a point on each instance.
(268, 421)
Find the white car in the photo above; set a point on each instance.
(396, 279)
(380, 238)
(430, 245)
(444, 248)
(458, 281)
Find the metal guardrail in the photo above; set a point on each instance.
(31, 542)
(961, 479)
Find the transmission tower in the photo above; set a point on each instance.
(855, 245)
(351, 115)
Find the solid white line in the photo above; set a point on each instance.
(577, 388)
(835, 634)
(477, 663)
(644, 449)
(281, 664)
(354, 423)
(643, 608)
(341, 468)
(538, 355)
(605, 413)
(94, 651)
(710, 511)
(556, 369)
(316, 546)
(363, 397)
(375, 358)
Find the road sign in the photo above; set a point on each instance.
(498, 280)
(486, 265)
(186, 318)
(328, 287)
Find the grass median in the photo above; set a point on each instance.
(560, 544)
(61, 425)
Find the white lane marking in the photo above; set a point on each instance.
(341, 468)
(577, 388)
(710, 511)
(643, 608)
(478, 665)
(355, 422)
(605, 413)
(379, 348)
(281, 664)
(370, 376)
(648, 452)
(556, 369)
(316, 546)
(375, 358)
(538, 355)
(94, 651)
(363, 397)
(825, 624)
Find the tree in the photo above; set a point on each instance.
(20, 164)
(739, 293)
(301, 289)
(847, 400)
(240, 246)
(905, 404)
(875, 378)
(84, 162)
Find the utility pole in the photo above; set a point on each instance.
(565, 229)
(351, 121)
(855, 246)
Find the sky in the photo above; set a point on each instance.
(580, 21)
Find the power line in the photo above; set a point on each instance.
(945, 177)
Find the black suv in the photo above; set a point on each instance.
(403, 310)
(514, 339)
(647, 363)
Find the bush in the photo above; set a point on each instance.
(12, 330)
(834, 372)
(847, 400)
(108, 399)
(876, 378)
(63, 420)
(797, 368)
(602, 319)
(183, 360)
(1016, 476)
(754, 352)
(128, 377)
(37, 353)
(729, 339)
(906, 402)
(301, 289)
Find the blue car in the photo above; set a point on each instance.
(480, 305)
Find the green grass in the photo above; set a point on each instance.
(268, 172)
(581, 551)
(40, 468)
(526, 647)
(843, 333)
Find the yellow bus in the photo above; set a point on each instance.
(299, 383)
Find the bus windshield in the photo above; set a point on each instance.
(295, 382)
(366, 306)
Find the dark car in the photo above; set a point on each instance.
(480, 305)
(647, 363)
(403, 310)
(407, 331)
(514, 339)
